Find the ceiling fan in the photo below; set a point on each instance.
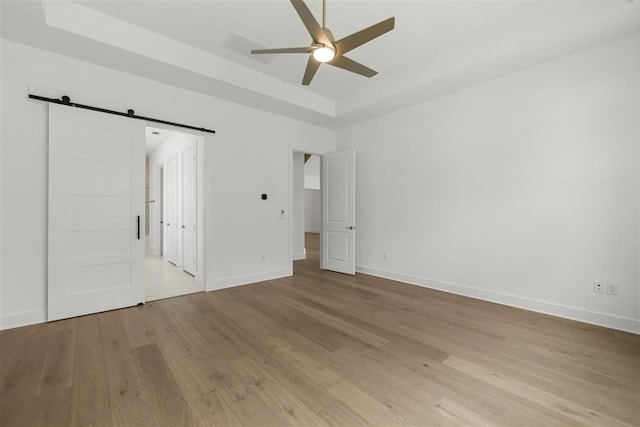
(326, 49)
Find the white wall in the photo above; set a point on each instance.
(298, 206)
(241, 163)
(312, 172)
(2, 133)
(312, 210)
(521, 190)
(312, 199)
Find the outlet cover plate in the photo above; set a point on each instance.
(612, 288)
(599, 287)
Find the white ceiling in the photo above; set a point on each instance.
(154, 137)
(436, 47)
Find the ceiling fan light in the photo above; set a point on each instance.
(324, 54)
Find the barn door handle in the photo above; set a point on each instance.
(138, 227)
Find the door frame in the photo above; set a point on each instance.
(293, 150)
(202, 139)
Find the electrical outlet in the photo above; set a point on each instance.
(612, 288)
(598, 287)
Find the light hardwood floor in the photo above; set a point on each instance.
(319, 349)
(164, 280)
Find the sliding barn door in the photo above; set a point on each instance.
(96, 212)
(338, 246)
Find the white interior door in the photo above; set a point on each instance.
(338, 246)
(172, 210)
(189, 239)
(96, 212)
(161, 209)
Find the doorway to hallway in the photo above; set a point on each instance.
(174, 257)
(162, 279)
(334, 208)
(312, 260)
(306, 201)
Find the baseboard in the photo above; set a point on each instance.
(229, 282)
(299, 256)
(24, 318)
(574, 313)
(39, 316)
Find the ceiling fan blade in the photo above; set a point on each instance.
(283, 50)
(315, 30)
(312, 67)
(353, 66)
(359, 38)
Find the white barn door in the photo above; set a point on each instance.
(189, 239)
(96, 212)
(338, 246)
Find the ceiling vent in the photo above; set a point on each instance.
(243, 45)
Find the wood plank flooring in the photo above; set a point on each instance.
(319, 349)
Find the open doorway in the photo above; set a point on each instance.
(307, 222)
(174, 258)
(332, 179)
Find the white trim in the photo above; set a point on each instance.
(24, 318)
(201, 200)
(573, 313)
(230, 282)
(299, 256)
(290, 256)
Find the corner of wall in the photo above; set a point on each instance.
(230, 282)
